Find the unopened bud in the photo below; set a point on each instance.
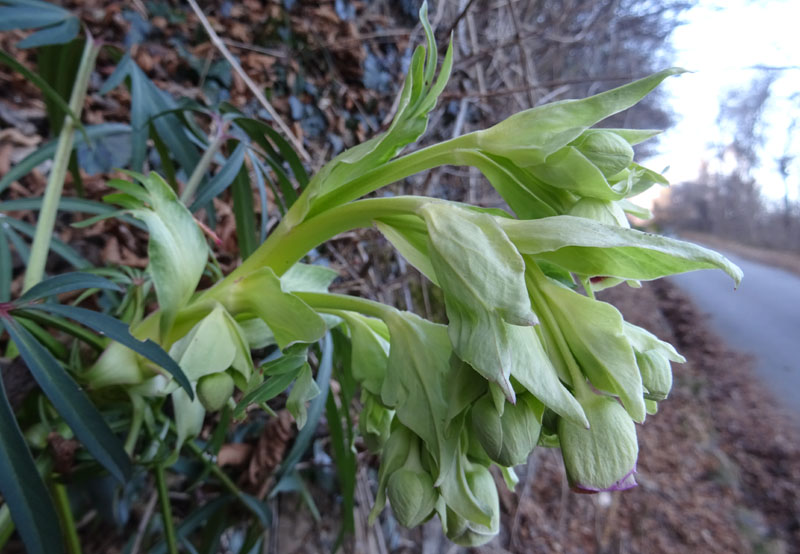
(214, 390)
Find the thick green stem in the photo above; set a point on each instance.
(286, 246)
(202, 166)
(390, 172)
(166, 510)
(73, 541)
(326, 302)
(55, 182)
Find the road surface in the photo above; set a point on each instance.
(761, 317)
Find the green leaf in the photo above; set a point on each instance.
(149, 104)
(6, 267)
(417, 99)
(290, 319)
(315, 410)
(244, 214)
(60, 33)
(369, 356)
(269, 389)
(189, 415)
(56, 245)
(308, 278)
(118, 331)
(47, 151)
(303, 390)
(25, 14)
(482, 277)
(529, 137)
(596, 337)
(593, 249)
(23, 489)
(410, 237)
(81, 415)
(568, 168)
(222, 180)
(531, 367)
(64, 283)
(177, 249)
(418, 382)
(49, 92)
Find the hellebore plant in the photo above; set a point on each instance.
(529, 357)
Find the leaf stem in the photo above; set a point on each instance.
(203, 165)
(286, 246)
(55, 182)
(166, 510)
(328, 302)
(73, 541)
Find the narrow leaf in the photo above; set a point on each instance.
(222, 179)
(23, 489)
(49, 92)
(6, 268)
(118, 331)
(64, 283)
(81, 415)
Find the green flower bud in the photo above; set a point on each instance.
(656, 374)
(603, 457)
(393, 457)
(604, 211)
(470, 533)
(215, 390)
(36, 435)
(118, 365)
(412, 495)
(510, 438)
(605, 149)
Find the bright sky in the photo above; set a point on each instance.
(719, 42)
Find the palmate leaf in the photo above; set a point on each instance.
(118, 331)
(57, 25)
(76, 409)
(151, 105)
(23, 489)
(417, 99)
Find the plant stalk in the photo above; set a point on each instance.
(71, 538)
(55, 182)
(170, 536)
(202, 166)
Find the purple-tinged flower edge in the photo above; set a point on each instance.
(627, 482)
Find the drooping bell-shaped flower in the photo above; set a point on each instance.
(603, 457)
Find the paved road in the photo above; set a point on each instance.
(761, 317)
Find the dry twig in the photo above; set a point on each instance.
(220, 45)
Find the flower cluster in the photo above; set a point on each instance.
(528, 357)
